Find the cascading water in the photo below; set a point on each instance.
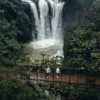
(48, 22)
(42, 22)
(43, 17)
(56, 20)
(35, 13)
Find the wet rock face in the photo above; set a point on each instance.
(74, 10)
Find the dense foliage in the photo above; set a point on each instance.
(15, 28)
(81, 46)
(82, 42)
(13, 88)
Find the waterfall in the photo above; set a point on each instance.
(56, 20)
(35, 13)
(43, 18)
(47, 26)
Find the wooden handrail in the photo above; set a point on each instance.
(66, 84)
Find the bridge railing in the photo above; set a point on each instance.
(89, 75)
(40, 77)
(80, 70)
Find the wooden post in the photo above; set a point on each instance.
(45, 75)
(69, 82)
(53, 74)
(61, 74)
(37, 74)
(77, 80)
(69, 78)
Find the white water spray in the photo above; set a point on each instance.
(48, 22)
(43, 17)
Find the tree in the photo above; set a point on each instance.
(81, 48)
(82, 42)
(13, 89)
(92, 17)
(10, 47)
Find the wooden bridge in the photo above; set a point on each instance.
(83, 82)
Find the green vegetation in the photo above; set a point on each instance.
(82, 41)
(15, 27)
(13, 88)
(81, 49)
(15, 30)
(67, 93)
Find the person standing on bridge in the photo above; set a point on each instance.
(48, 70)
(57, 72)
